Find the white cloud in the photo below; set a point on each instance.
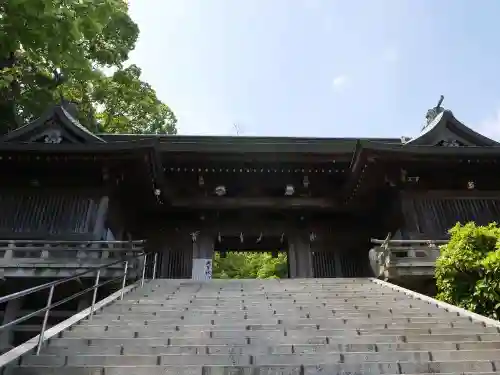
(340, 81)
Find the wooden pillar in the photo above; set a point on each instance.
(98, 230)
(203, 253)
(174, 248)
(338, 265)
(335, 247)
(292, 261)
(163, 249)
(177, 256)
(300, 257)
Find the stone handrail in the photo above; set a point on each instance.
(404, 257)
(22, 257)
(41, 249)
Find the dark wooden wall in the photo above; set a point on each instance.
(40, 214)
(430, 215)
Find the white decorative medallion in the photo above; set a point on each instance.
(52, 136)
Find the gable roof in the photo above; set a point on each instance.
(70, 127)
(446, 128)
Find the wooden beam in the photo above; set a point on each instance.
(451, 194)
(237, 203)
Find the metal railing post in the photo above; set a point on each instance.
(94, 295)
(144, 269)
(154, 266)
(125, 269)
(45, 318)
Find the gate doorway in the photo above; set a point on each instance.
(253, 257)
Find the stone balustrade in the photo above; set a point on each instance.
(42, 258)
(396, 260)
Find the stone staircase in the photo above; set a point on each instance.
(269, 327)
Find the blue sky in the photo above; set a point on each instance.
(321, 68)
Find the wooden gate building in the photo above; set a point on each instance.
(322, 200)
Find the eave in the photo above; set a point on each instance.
(370, 157)
(58, 113)
(283, 203)
(144, 152)
(245, 145)
(78, 148)
(445, 126)
(410, 151)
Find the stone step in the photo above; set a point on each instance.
(267, 310)
(347, 293)
(178, 321)
(334, 321)
(274, 339)
(462, 367)
(438, 348)
(293, 301)
(236, 306)
(260, 359)
(269, 327)
(263, 312)
(310, 293)
(134, 326)
(303, 315)
(217, 333)
(208, 370)
(345, 296)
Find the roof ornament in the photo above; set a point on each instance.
(260, 238)
(237, 128)
(312, 237)
(194, 236)
(58, 78)
(433, 112)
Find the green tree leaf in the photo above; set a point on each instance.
(250, 265)
(79, 38)
(468, 269)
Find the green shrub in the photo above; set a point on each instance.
(468, 269)
(250, 265)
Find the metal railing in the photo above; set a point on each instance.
(94, 288)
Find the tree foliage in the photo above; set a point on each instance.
(129, 105)
(74, 40)
(250, 265)
(468, 269)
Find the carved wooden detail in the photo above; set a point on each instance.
(450, 143)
